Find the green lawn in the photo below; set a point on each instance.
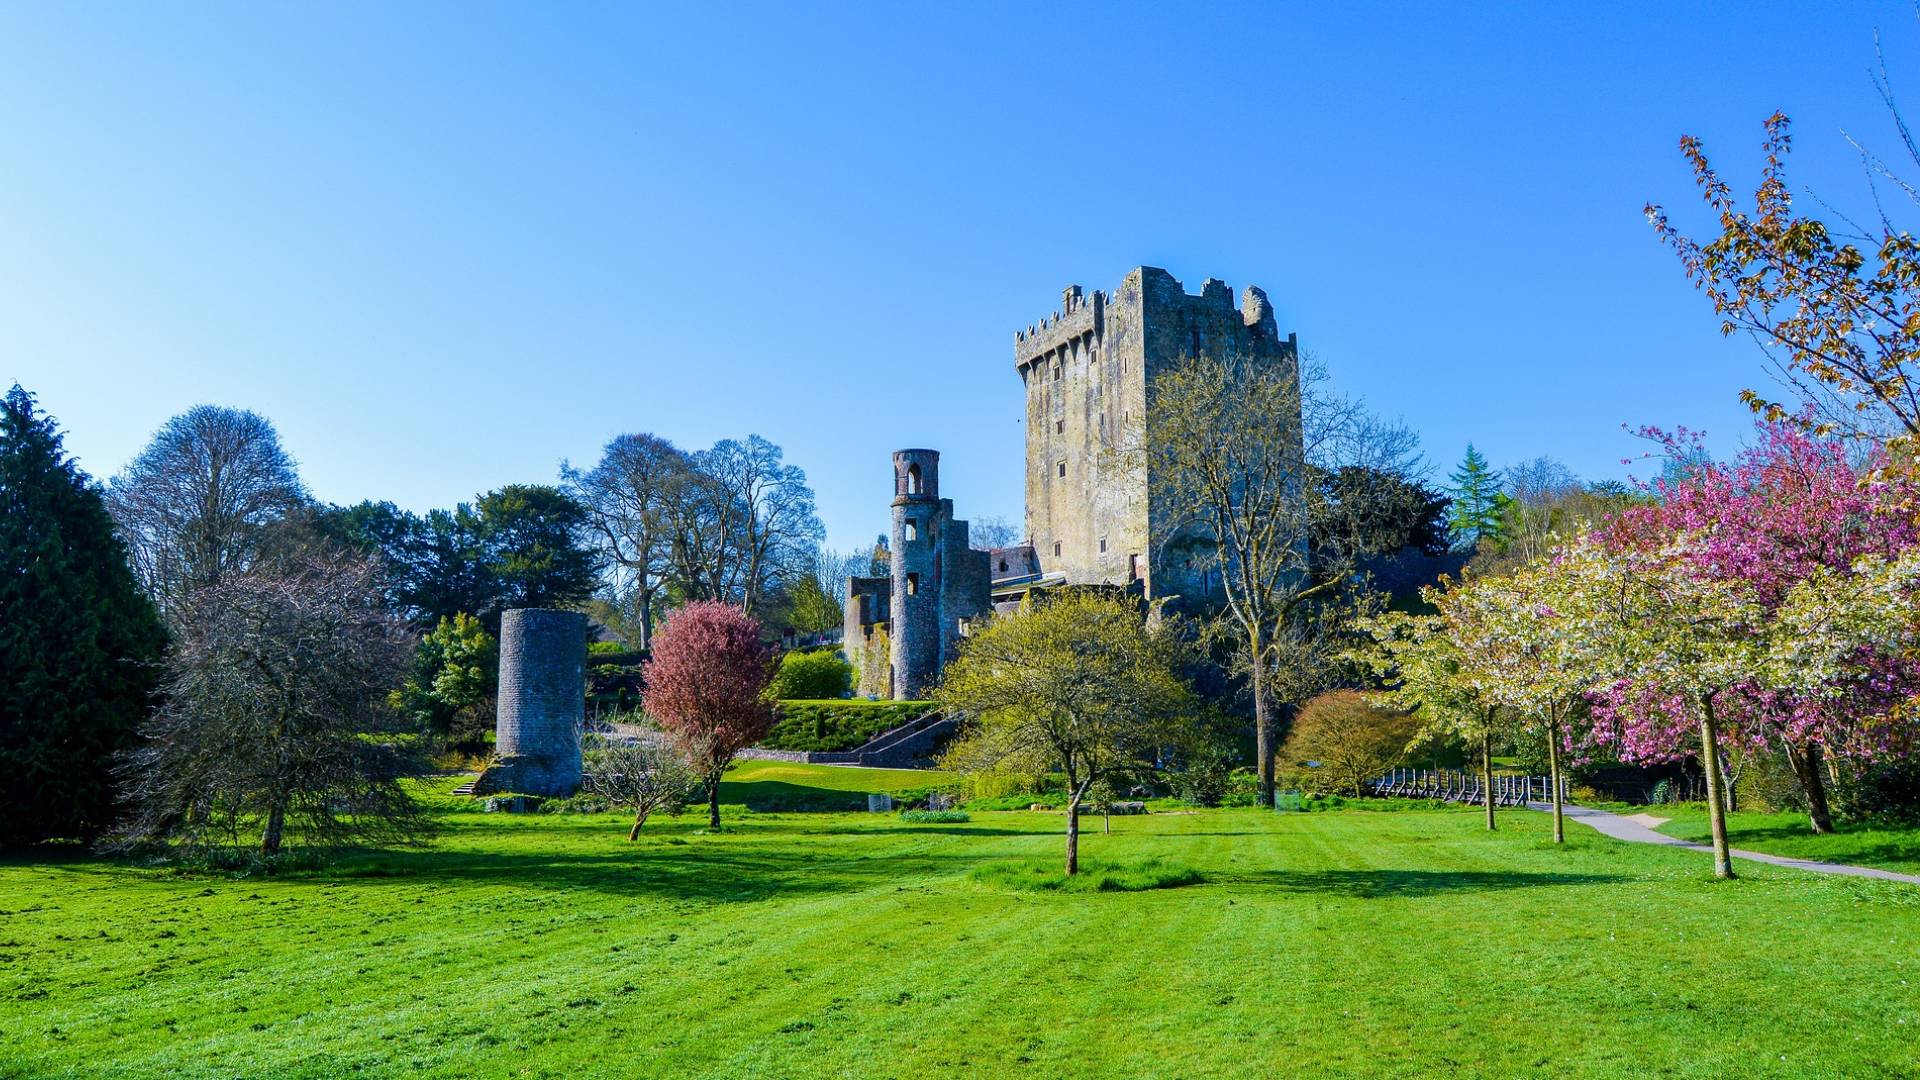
(798, 945)
(1891, 848)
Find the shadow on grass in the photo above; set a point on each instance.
(1374, 884)
(666, 867)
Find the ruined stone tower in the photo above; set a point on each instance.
(1092, 512)
(543, 686)
(937, 587)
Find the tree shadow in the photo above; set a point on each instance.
(667, 867)
(1376, 884)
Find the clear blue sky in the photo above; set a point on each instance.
(444, 247)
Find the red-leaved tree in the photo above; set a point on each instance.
(706, 686)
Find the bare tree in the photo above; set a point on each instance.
(200, 500)
(741, 522)
(642, 774)
(279, 674)
(991, 532)
(1240, 448)
(627, 496)
(777, 519)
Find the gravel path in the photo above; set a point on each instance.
(1623, 828)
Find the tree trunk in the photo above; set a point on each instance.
(639, 819)
(646, 620)
(276, 828)
(1262, 721)
(1805, 759)
(713, 801)
(1553, 778)
(1073, 835)
(1486, 770)
(1716, 796)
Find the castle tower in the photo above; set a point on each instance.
(543, 687)
(919, 520)
(1093, 514)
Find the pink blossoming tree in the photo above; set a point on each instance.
(706, 686)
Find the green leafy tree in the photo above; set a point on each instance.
(532, 536)
(1424, 671)
(79, 641)
(1479, 506)
(452, 677)
(1076, 684)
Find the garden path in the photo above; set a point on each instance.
(1624, 828)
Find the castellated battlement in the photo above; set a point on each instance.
(1094, 512)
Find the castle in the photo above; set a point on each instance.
(1096, 513)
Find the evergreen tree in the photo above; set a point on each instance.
(79, 641)
(1479, 506)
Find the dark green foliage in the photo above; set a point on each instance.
(521, 546)
(79, 641)
(1379, 511)
(1889, 791)
(812, 675)
(838, 725)
(532, 535)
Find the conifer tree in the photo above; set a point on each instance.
(79, 641)
(1479, 506)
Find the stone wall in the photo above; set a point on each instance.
(543, 657)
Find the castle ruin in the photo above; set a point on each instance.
(1096, 512)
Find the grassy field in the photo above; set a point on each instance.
(1888, 847)
(1347, 943)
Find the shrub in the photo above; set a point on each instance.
(812, 676)
(585, 802)
(936, 817)
(1352, 739)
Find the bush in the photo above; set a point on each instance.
(585, 802)
(1889, 791)
(812, 676)
(935, 817)
(838, 725)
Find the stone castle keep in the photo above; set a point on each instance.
(1094, 515)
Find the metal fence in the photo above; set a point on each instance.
(1455, 785)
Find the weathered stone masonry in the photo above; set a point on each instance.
(542, 704)
(1092, 512)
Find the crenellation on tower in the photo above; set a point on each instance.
(1092, 511)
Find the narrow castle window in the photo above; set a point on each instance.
(1056, 547)
(1059, 427)
(1003, 566)
(913, 479)
(1062, 468)
(1103, 544)
(1056, 371)
(913, 584)
(913, 529)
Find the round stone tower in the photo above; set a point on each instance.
(915, 630)
(543, 691)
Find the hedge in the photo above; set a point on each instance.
(838, 725)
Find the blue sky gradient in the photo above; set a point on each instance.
(446, 246)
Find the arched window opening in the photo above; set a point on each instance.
(913, 479)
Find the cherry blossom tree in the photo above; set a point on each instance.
(706, 686)
(1518, 651)
(1790, 507)
(1426, 673)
